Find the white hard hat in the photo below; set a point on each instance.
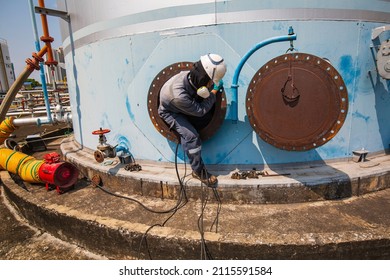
(214, 66)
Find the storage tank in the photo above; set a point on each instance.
(7, 76)
(319, 97)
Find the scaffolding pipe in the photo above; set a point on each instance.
(42, 71)
(32, 64)
(46, 36)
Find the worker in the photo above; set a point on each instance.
(185, 103)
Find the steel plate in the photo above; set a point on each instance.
(219, 109)
(297, 102)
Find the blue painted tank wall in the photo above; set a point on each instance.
(111, 62)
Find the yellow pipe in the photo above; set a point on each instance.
(25, 166)
(6, 128)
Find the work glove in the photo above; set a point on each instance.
(219, 86)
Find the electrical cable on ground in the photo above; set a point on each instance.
(182, 192)
(178, 205)
(205, 252)
(181, 202)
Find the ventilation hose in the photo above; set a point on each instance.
(49, 171)
(6, 128)
(27, 167)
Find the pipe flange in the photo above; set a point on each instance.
(99, 156)
(37, 57)
(218, 111)
(47, 39)
(33, 64)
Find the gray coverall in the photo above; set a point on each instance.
(182, 109)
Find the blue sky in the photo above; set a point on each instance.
(17, 29)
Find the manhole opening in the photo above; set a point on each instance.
(214, 117)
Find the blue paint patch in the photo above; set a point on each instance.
(126, 61)
(359, 115)
(128, 107)
(122, 141)
(348, 72)
(332, 151)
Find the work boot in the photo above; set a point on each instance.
(206, 178)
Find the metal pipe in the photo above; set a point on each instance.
(10, 96)
(38, 110)
(16, 114)
(29, 121)
(46, 36)
(42, 71)
(234, 102)
(64, 118)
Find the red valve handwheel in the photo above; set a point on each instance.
(101, 131)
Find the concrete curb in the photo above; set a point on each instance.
(305, 182)
(120, 239)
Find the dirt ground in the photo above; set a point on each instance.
(20, 241)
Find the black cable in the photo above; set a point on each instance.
(182, 200)
(173, 209)
(144, 236)
(219, 207)
(141, 204)
(204, 251)
(182, 194)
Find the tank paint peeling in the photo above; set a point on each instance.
(359, 115)
(128, 107)
(121, 83)
(279, 26)
(347, 69)
(104, 122)
(86, 57)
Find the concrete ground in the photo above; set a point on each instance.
(317, 211)
(19, 240)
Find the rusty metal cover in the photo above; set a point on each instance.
(219, 109)
(297, 102)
